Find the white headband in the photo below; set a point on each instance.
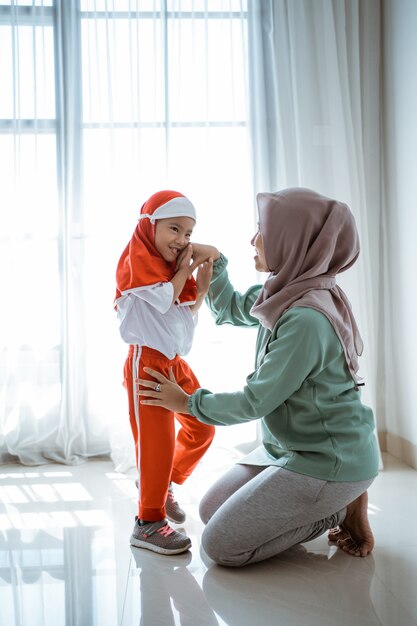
(177, 207)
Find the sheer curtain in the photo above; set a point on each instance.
(315, 114)
(103, 102)
(31, 250)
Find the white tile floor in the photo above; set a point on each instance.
(65, 560)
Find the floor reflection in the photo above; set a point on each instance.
(169, 592)
(46, 576)
(302, 587)
(56, 578)
(65, 560)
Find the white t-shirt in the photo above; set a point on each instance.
(148, 317)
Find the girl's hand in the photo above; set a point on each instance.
(169, 395)
(204, 274)
(184, 258)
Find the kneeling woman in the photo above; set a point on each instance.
(319, 452)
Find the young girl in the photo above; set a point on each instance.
(157, 300)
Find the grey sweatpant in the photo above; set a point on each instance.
(254, 512)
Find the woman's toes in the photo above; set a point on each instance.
(337, 534)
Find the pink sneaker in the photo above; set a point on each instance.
(159, 537)
(173, 509)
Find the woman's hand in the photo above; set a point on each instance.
(184, 270)
(199, 253)
(169, 395)
(203, 252)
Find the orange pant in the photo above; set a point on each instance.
(161, 456)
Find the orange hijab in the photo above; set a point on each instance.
(141, 264)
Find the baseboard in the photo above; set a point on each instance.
(401, 448)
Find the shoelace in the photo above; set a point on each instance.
(165, 530)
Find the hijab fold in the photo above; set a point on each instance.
(308, 240)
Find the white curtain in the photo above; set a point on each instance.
(103, 102)
(315, 114)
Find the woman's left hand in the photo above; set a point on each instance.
(165, 392)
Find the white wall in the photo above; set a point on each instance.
(400, 130)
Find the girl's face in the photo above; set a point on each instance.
(260, 260)
(172, 235)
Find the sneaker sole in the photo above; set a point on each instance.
(137, 543)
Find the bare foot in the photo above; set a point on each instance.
(338, 533)
(360, 540)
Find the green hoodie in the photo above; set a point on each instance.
(313, 420)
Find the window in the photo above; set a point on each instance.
(101, 104)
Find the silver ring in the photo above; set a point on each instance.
(158, 387)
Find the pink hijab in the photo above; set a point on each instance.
(308, 239)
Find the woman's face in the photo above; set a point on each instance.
(260, 260)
